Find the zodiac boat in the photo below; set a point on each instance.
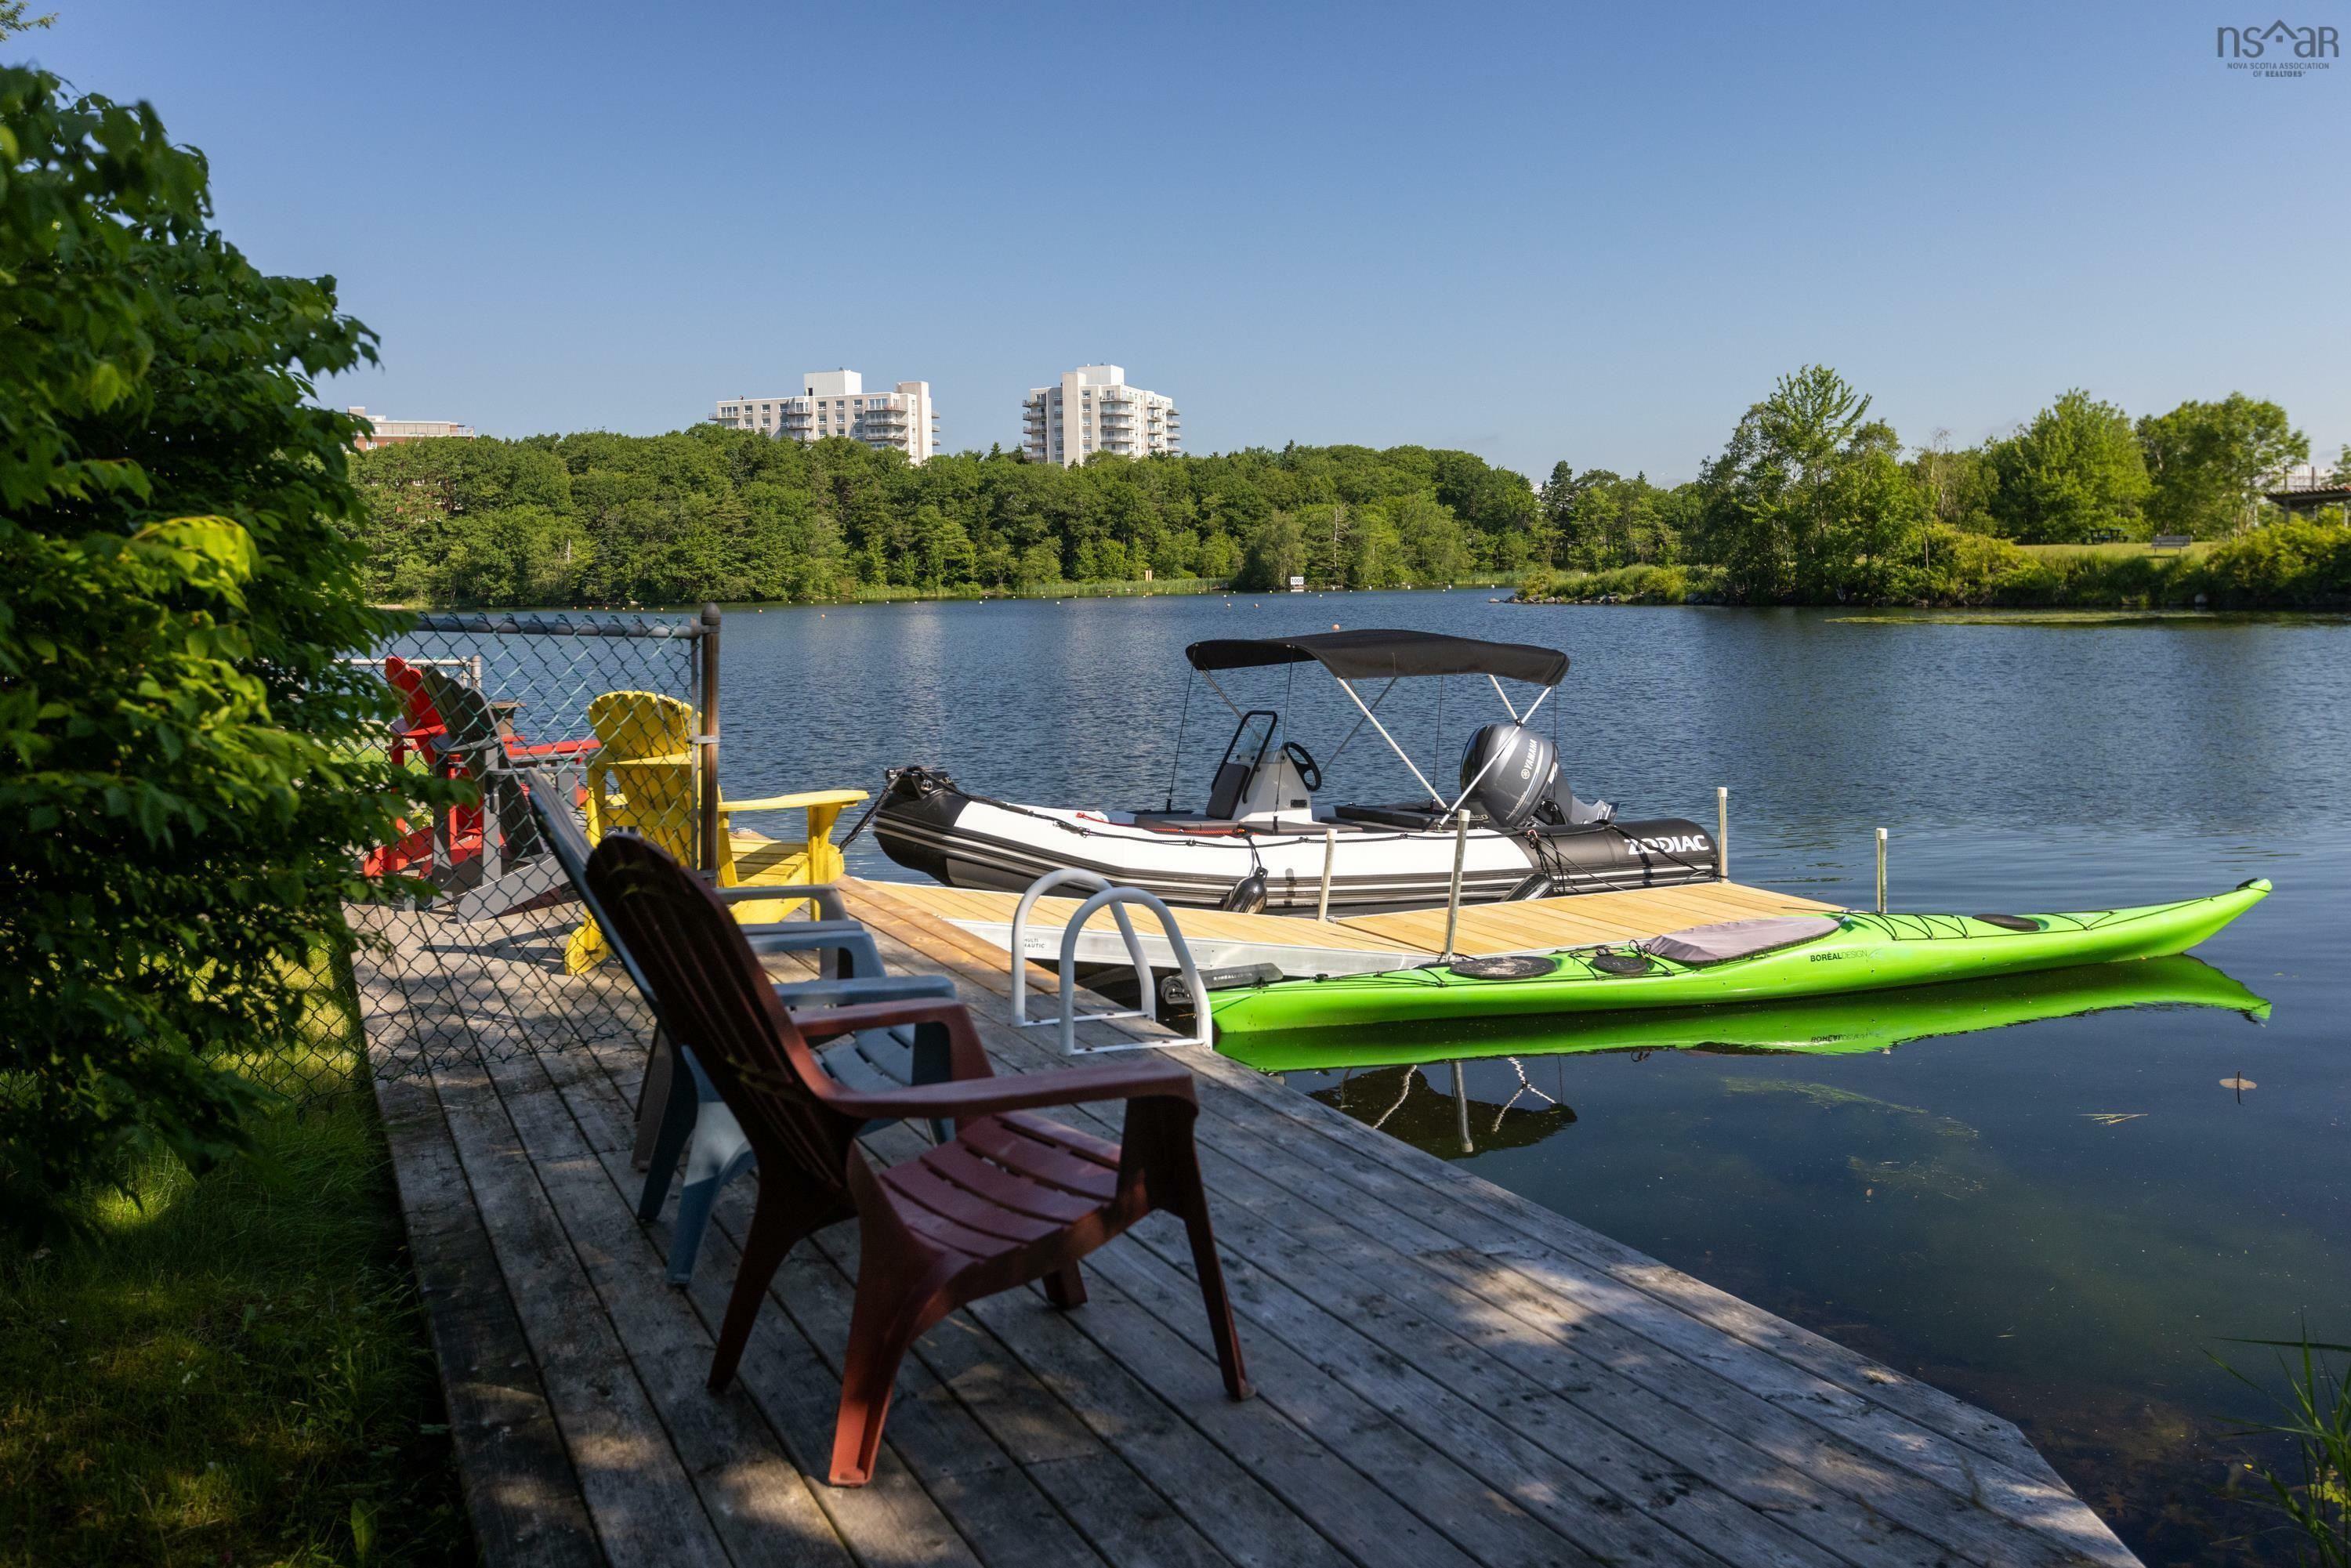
(1262, 840)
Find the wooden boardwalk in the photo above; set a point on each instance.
(1448, 1374)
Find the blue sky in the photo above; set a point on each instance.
(1539, 232)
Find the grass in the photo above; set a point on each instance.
(235, 1370)
(2125, 549)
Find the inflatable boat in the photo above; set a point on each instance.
(1739, 961)
(1263, 840)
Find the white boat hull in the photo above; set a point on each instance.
(966, 840)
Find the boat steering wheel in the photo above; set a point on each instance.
(1310, 772)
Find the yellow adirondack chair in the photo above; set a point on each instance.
(641, 778)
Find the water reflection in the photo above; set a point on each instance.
(1400, 1101)
(1836, 1026)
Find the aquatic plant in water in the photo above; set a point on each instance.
(2315, 1414)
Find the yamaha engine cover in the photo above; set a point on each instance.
(1514, 768)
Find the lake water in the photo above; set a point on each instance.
(2063, 1220)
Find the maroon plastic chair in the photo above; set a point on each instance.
(1011, 1199)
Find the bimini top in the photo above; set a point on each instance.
(1373, 655)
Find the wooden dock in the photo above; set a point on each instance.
(1448, 1374)
(1301, 945)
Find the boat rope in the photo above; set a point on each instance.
(1367, 718)
(1436, 757)
(889, 780)
(1178, 759)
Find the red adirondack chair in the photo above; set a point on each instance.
(419, 724)
(458, 733)
(1011, 1199)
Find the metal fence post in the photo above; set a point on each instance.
(706, 742)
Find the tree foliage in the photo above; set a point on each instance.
(14, 20)
(2207, 462)
(2075, 471)
(1809, 499)
(183, 773)
(1812, 498)
(709, 512)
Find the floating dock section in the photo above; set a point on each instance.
(1353, 944)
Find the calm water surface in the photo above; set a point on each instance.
(2062, 1220)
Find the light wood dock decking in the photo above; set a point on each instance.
(1448, 1374)
(1527, 924)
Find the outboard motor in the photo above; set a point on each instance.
(1513, 769)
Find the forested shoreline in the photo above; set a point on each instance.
(1811, 500)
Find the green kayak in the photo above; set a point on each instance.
(1737, 962)
(1815, 1026)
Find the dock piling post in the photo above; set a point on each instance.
(1881, 871)
(1453, 898)
(1721, 833)
(1330, 853)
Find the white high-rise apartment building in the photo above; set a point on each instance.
(835, 403)
(1094, 410)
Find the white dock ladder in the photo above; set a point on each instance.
(1116, 899)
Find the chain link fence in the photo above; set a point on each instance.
(602, 712)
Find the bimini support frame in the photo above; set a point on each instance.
(1401, 755)
(1404, 758)
(1116, 899)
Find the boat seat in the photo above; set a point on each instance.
(1225, 790)
(1698, 945)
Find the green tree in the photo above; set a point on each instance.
(2208, 463)
(13, 21)
(1807, 499)
(602, 519)
(2075, 470)
(1275, 553)
(1435, 551)
(190, 776)
(1958, 484)
(1039, 567)
(944, 549)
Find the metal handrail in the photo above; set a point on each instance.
(1114, 899)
